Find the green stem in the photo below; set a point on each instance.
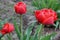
(9, 37)
(21, 27)
(40, 31)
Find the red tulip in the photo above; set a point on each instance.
(46, 16)
(2, 32)
(20, 8)
(7, 28)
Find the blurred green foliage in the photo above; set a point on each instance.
(54, 4)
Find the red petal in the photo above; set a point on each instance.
(50, 20)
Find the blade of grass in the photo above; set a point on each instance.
(43, 4)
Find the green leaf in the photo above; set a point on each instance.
(37, 32)
(17, 29)
(24, 37)
(9, 37)
(53, 4)
(1, 35)
(29, 30)
(57, 23)
(31, 38)
(47, 37)
(43, 4)
(1, 25)
(36, 3)
(58, 13)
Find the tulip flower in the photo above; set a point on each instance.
(7, 28)
(2, 32)
(20, 8)
(46, 16)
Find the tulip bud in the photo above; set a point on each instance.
(7, 28)
(20, 8)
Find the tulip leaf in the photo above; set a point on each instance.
(17, 29)
(0, 25)
(1, 35)
(38, 31)
(29, 30)
(53, 4)
(47, 36)
(57, 23)
(36, 3)
(9, 37)
(58, 13)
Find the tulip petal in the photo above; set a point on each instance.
(48, 21)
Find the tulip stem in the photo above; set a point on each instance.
(21, 27)
(40, 31)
